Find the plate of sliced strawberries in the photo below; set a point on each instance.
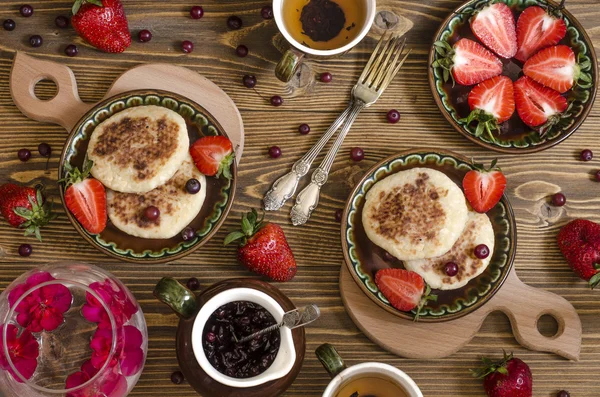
(514, 76)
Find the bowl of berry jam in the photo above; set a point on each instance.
(210, 355)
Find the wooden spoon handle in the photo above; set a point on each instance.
(524, 305)
(64, 109)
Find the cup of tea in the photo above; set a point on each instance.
(320, 28)
(366, 379)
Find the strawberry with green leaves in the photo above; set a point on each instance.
(263, 248)
(484, 187)
(213, 155)
(579, 242)
(538, 106)
(510, 377)
(102, 23)
(557, 67)
(538, 28)
(25, 207)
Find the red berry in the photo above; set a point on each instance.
(151, 213)
(44, 149)
(187, 46)
(326, 77)
(188, 233)
(563, 393)
(481, 251)
(586, 155)
(274, 152)
(193, 284)
(267, 12)
(36, 40)
(9, 25)
(61, 21)
(393, 116)
(24, 154)
(249, 81)
(234, 22)
(241, 51)
(71, 50)
(276, 100)
(25, 250)
(451, 269)
(597, 175)
(304, 129)
(196, 12)
(559, 199)
(26, 10)
(144, 36)
(357, 154)
(177, 377)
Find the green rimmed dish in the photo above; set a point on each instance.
(515, 136)
(219, 191)
(363, 258)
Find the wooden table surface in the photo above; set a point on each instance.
(317, 247)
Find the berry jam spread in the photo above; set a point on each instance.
(240, 360)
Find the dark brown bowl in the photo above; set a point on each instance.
(363, 258)
(516, 137)
(219, 195)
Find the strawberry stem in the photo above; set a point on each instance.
(490, 367)
(486, 122)
(78, 3)
(251, 224)
(424, 299)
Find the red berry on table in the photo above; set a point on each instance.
(338, 215)
(187, 46)
(24, 154)
(9, 25)
(249, 81)
(151, 213)
(510, 377)
(326, 77)
(241, 51)
(579, 242)
(144, 36)
(234, 22)
(357, 154)
(563, 393)
(85, 198)
(559, 199)
(586, 155)
(537, 29)
(71, 50)
(61, 21)
(597, 175)
(555, 67)
(494, 26)
(26, 10)
(393, 116)
(177, 377)
(451, 269)
(304, 129)
(24, 207)
(188, 234)
(492, 102)
(36, 41)
(405, 290)
(44, 149)
(481, 251)
(267, 12)
(213, 155)
(263, 248)
(275, 152)
(276, 100)
(25, 250)
(105, 27)
(469, 62)
(193, 284)
(197, 12)
(538, 106)
(484, 187)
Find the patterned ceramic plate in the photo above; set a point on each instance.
(364, 258)
(219, 195)
(515, 137)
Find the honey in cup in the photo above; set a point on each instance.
(371, 385)
(324, 24)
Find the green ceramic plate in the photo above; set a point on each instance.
(364, 258)
(516, 137)
(219, 195)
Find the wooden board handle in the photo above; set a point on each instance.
(64, 109)
(524, 305)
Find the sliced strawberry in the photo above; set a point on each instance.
(492, 102)
(87, 202)
(494, 25)
(537, 29)
(484, 187)
(538, 105)
(405, 290)
(213, 155)
(469, 62)
(554, 67)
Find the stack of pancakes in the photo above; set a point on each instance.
(141, 155)
(422, 217)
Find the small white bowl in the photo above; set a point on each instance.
(286, 356)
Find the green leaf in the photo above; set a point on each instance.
(479, 129)
(440, 50)
(446, 75)
(233, 236)
(247, 227)
(37, 234)
(252, 217)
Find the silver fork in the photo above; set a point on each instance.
(383, 66)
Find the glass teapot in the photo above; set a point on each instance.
(70, 329)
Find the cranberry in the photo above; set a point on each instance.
(481, 251)
(187, 46)
(36, 40)
(9, 25)
(586, 155)
(276, 100)
(563, 393)
(44, 149)
(388, 257)
(188, 233)
(24, 154)
(61, 21)
(304, 129)
(177, 377)
(234, 22)
(144, 36)
(357, 154)
(192, 186)
(559, 199)
(193, 284)
(274, 152)
(597, 175)
(338, 215)
(393, 116)
(26, 10)
(267, 12)
(210, 337)
(25, 250)
(151, 213)
(197, 12)
(249, 81)
(241, 51)
(326, 77)
(451, 269)
(71, 50)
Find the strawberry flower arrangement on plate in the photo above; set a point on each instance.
(513, 75)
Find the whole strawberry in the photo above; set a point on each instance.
(579, 242)
(263, 248)
(102, 23)
(24, 207)
(510, 377)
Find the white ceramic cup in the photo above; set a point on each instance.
(334, 364)
(286, 356)
(292, 59)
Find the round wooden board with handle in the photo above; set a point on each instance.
(524, 305)
(66, 108)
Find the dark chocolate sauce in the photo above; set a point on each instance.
(322, 20)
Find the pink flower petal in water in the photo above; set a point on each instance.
(112, 384)
(132, 361)
(115, 386)
(76, 379)
(23, 351)
(51, 319)
(120, 304)
(101, 344)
